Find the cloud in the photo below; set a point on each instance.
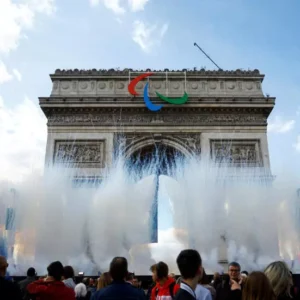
(15, 18)
(137, 5)
(17, 74)
(23, 135)
(43, 6)
(113, 5)
(4, 74)
(279, 126)
(297, 145)
(147, 36)
(117, 8)
(298, 111)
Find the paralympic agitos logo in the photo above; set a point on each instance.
(151, 106)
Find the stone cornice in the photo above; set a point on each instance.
(115, 101)
(51, 110)
(71, 116)
(189, 72)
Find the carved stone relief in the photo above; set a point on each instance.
(135, 119)
(236, 153)
(80, 153)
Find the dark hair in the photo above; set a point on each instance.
(234, 264)
(31, 272)
(68, 272)
(162, 270)
(118, 268)
(153, 268)
(204, 279)
(56, 270)
(129, 276)
(188, 262)
(258, 286)
(245, 272)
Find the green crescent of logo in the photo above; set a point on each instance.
(176, 101)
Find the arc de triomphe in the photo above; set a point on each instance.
(91, 114)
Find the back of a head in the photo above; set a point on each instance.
(279, 276)
(204, 279)
(258, 287)
(118, 268)
(86, 281)
(129, 276)
(80, 290)
(189, 262)
(68, 272)
(162, 270)
(104, 280)
(3, 264)
(56, 270)
(31, 272)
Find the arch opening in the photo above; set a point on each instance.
(161, 158)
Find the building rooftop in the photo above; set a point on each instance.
(118, 72)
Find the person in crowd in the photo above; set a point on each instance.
(216, 280)
(153, 283)
(90, 286)
(204, 281)
(119, 288)
(51, 288)
(172, 275)
(129, 278)
(31, 277)
(8, 290)
(258, 287)
(166, 287)
(81, 292)
(69, 277)
(294, 289)
(232, 287)
(104, 280)
(135, 282)
(279, 276)
(190, 266)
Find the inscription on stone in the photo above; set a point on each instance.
(79, 153)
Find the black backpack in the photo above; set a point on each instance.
(171, 290)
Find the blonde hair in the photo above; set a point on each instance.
(257, 287)
(103, 281)
(279, 276)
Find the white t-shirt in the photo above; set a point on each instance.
(202, 293)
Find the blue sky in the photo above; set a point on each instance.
(39, 36)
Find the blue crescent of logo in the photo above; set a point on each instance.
(149, 104)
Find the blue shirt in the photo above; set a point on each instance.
(119, 290)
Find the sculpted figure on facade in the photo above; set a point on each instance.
(236, 154)
(78, 153)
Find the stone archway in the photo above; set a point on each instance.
(132, 144)
(162, 158)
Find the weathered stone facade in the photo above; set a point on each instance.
(91, 114)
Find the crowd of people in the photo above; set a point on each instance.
(275, 283)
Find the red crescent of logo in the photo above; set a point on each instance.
(133, 83)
